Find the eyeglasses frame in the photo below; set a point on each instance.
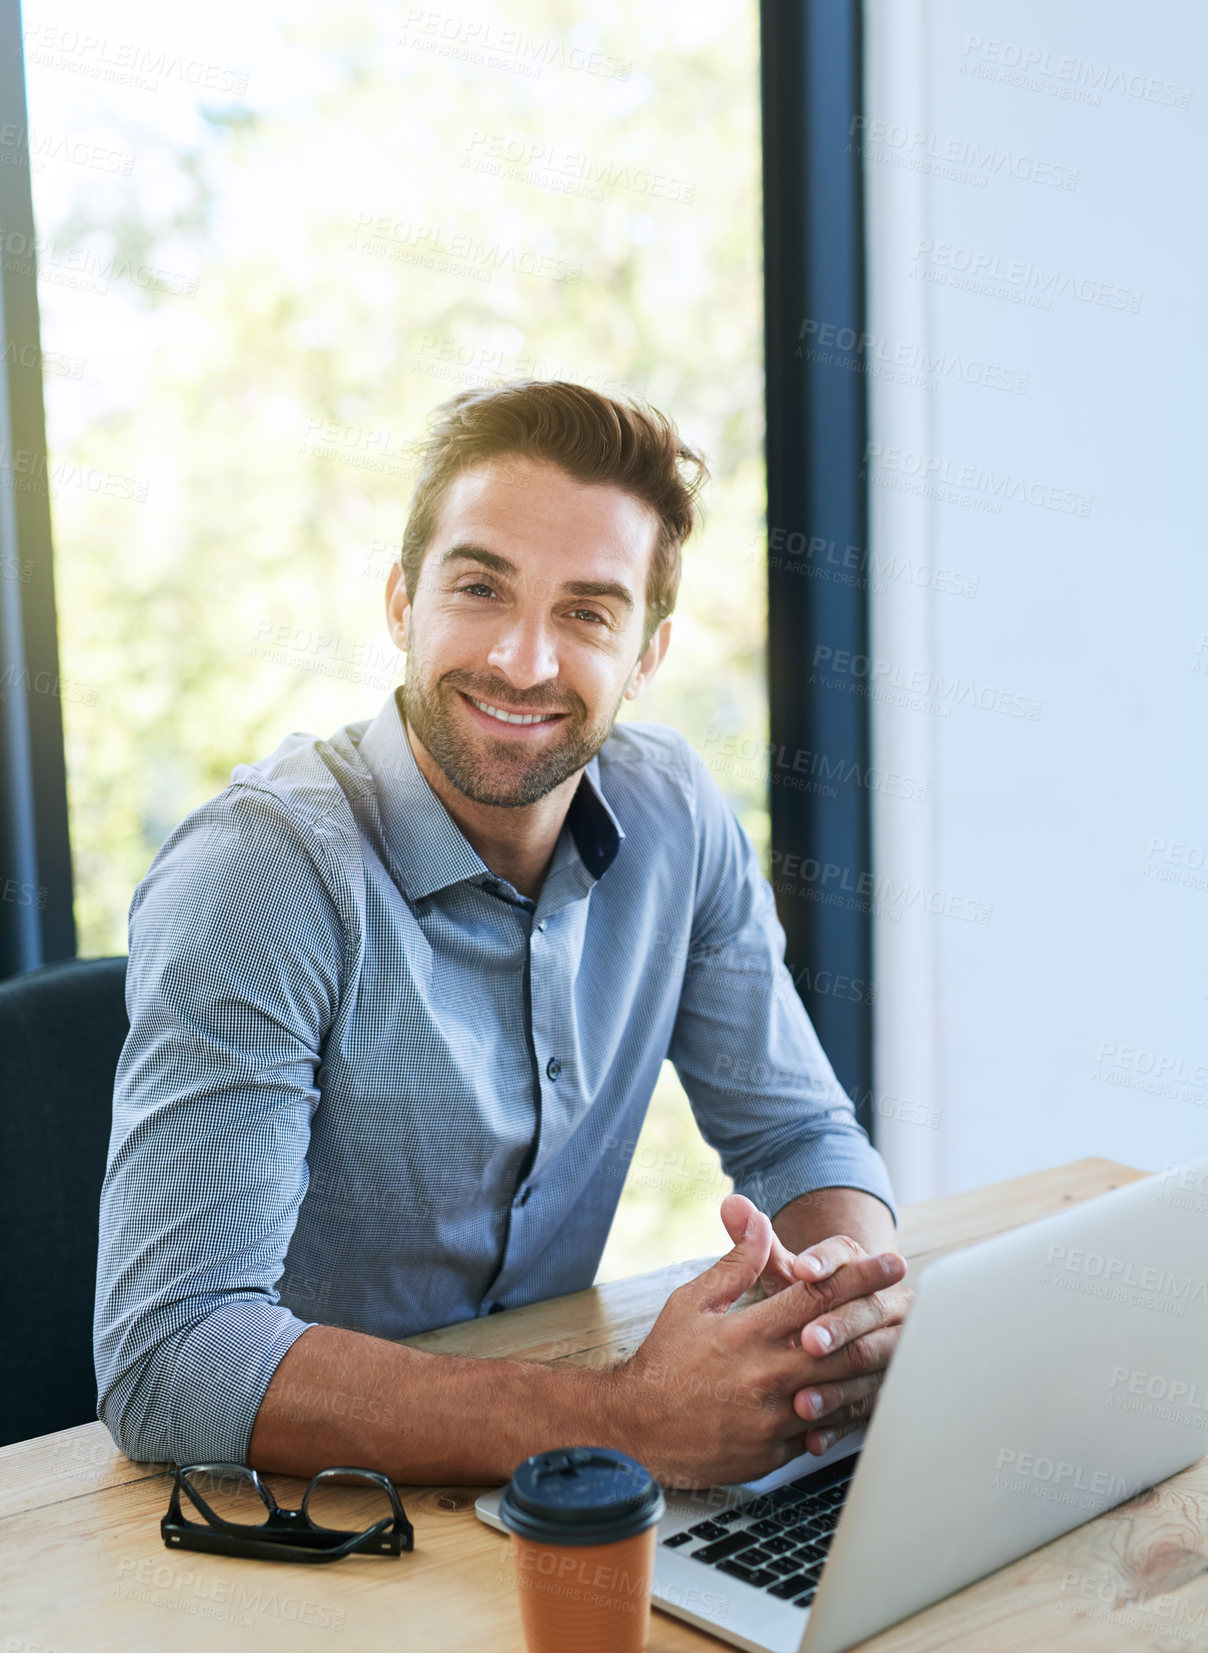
(287, 1535)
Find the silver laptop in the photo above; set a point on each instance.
(1042, 1377)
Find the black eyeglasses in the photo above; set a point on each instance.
(226, 1495)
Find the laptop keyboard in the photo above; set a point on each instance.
(778, 1541)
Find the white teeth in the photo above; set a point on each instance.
(512, 717)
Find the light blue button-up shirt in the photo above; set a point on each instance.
(369, 1084)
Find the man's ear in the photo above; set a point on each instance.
(643, 673)
(398, 609)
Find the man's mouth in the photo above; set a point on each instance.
(502, 715)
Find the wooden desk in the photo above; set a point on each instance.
(83, 1569)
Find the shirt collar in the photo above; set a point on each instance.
(429, 848)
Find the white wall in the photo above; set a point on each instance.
(1038, 247)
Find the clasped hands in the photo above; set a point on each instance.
(725, 1394)
(851, 1317)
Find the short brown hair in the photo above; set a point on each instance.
(593, 438)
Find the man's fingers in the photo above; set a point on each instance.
(838, 1327)
(820, 1401)
(736, 1212)
(859, 1279)
(867, 1354)
(777, 1273)
(819, 1441)
(819, 1261)
(789, 1310)
(795, 1371)
(853, 1416)
(722, 1285)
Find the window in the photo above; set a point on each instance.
(271, 238)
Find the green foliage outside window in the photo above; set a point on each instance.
(252, 296)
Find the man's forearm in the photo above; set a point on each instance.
(708, 1397)
(826, 1211)
(341, 1397)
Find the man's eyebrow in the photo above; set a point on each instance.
(503, 565)
(477, 553)
(599, 588)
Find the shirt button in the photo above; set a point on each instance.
(553, 1067)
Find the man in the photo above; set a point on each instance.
(398, 1001)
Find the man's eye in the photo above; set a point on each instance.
(479, 587)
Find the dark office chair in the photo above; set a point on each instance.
(62, 1028)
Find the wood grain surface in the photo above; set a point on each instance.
(83, 1568)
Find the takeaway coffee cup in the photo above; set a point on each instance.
(583, 1522)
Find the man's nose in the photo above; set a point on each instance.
(525, 651)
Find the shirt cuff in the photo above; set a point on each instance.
(198, 1398)
(818, 1165)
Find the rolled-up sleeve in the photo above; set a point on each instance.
(236, 958)
(762, 1090)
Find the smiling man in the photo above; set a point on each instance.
(398, 1002)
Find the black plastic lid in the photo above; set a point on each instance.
(581, 1495)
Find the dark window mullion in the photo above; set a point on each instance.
(36, 917)
(817, 509)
